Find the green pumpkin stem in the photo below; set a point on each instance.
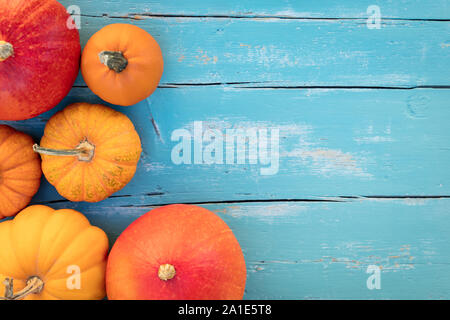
(34, 286)
(114, 60)
(84, 151)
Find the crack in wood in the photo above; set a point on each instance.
(327, 199)
(138, 16)
(237, 85)
(350, 87)
(407, 197)
(154, 124)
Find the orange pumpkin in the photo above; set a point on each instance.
(20, 171)
(51, 254)
(176, 252)
(122, 64)
(89, 151)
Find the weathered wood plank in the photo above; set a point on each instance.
(332, 143)
(296, 52)
(403, 9)
(316, 250)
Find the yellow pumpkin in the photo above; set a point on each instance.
(20, 171)
(51, 254)
(89, 152)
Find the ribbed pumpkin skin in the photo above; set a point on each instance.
(142, 75)
(46, 57)
(207, 257)
(44, 242)
(117, 152)
(20, 171)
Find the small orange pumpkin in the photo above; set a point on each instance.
(89, 151)
(51, 254)
(20, 171)
(122, 64)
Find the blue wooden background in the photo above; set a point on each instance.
(363, 116)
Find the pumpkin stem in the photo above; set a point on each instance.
(114, 60)
(6, 50)
(166, 272)
(84, 151)
(34, 286)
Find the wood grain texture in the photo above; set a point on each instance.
(303, 53)
(332, 143)
(363, 117)
(400, 9)
(316, 250)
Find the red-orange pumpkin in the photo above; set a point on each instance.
(39, 57)
(176, 252)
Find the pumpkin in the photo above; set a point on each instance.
(89, 151)
(176, 252)
(51, 254)
(20, 171)
(39, 57)
(122, 64)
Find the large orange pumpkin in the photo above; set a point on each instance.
(39, 57)
(176, 252)
(122, 64)
(20, 171)
(47, 254)
(89, 151)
